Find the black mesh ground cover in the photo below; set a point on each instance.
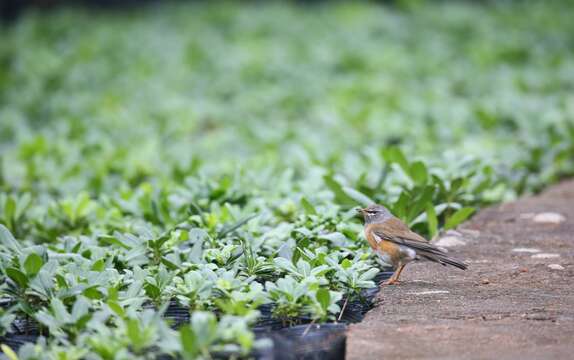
(310, 342)
(304, 340)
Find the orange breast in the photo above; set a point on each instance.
(383, 247)
(371, 239)
(392, 249)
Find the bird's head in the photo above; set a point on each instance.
(375, 213)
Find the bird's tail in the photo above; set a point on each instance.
(454, 262)
(433, 253)
(442, 259)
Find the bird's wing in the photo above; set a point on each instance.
(397, 232)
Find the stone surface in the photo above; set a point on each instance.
(545, 256)
(525, 311)
(549, 218)
(449, 241)
(470, 233)
(556, 266)
(526, 250)
(430, 292)
(526, 216)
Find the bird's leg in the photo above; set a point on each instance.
(394, 280)
(400, 271)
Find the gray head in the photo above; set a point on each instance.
(375, 214)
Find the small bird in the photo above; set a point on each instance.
(396, 244)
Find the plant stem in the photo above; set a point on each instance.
(308, 327)
(343, 308)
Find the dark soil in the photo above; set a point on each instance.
(509, 304)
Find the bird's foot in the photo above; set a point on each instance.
(392, 282)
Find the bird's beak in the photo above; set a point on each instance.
(361, 211)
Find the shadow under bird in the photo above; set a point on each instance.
(396, 244)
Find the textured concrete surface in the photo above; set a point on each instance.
(516, 300)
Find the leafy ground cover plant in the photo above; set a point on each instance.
(173, 177)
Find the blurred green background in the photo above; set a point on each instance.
(146, 91)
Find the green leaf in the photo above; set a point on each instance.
(99, 265)
(197, 237)
(61, 281)
(135, 334)
(358, 196)
(324, 298)
(170, 265)
(93, 293)
(152, 291)
(10, 354)
(439, 182)
(432, 220)
(455, 185)
(204, 325)
(482, 186)
(22, 205)
(112, 240)
(440, 208)
(308, 207)
(117, 308)
(7, 239)
(458, 217)
(418, 204)
(81, 308)
(77, 247)
(194, 209)
(400, 206)
(158, 243)
(9, 208)
(18, 277)
(60, 311)
(188, 342)
(341, 196)
(395, 155)
(335, 238)
(33, 264)
(345, 264)
(229, 229)
(419, 173)
(82, 321)
(369, 274)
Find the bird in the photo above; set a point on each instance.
(396, 244)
